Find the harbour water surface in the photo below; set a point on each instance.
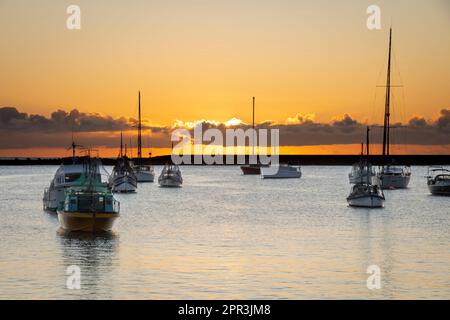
(228, 236)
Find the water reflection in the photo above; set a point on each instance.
(96, 255)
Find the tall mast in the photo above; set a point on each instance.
(253, 126)
(139, 131)
(121, 144)
(367, 141)
(387, 112)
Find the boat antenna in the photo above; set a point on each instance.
(387, 113)
(367, 141)
(74, 146)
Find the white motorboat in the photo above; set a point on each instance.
(391, 177)
(282, 171)
(143, 172)
(438, 181)
(170, 177)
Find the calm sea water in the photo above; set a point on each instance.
(228, 236)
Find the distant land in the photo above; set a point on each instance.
(304, 160)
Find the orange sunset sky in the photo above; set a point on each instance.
(204, 60)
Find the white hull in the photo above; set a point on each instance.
(124, 184)
(393, 181)
(369, 201)
(143, 176)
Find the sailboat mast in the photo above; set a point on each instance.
(253, 126)
(387, 112)
(139, 131)
(121, 144)
(367, 141)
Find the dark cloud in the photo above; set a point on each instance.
(20, 130)
(443, 122)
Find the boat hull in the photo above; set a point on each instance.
(369, 201)
(125, 184)
(281, 175)
(169, 183)
(87, 221)
(143, 176)
(439, 189)
(393, 181)
(251, 170)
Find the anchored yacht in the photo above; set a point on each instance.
(123, 179)
(390, 176)
(282, 171)
(438, 181)
(365, 193)
(170, 176)
(143, 172)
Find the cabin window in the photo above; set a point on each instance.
(71, 177)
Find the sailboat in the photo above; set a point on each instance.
(144, 173)
(123, 178)
(365, 193)
(390, 176)
(359, 170)
(252, 169)
(170, 176)
(89, 206)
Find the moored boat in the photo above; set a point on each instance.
(68, 175)
(390, 176)
(90, 207)
(438, 181)
(170, 176)
(394, 177)
(366, 195)
(282, 171)
(123, 179)
(365, 192)
(143, 172)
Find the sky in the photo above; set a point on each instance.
(199, 60)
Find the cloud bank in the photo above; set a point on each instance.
(21, 130)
